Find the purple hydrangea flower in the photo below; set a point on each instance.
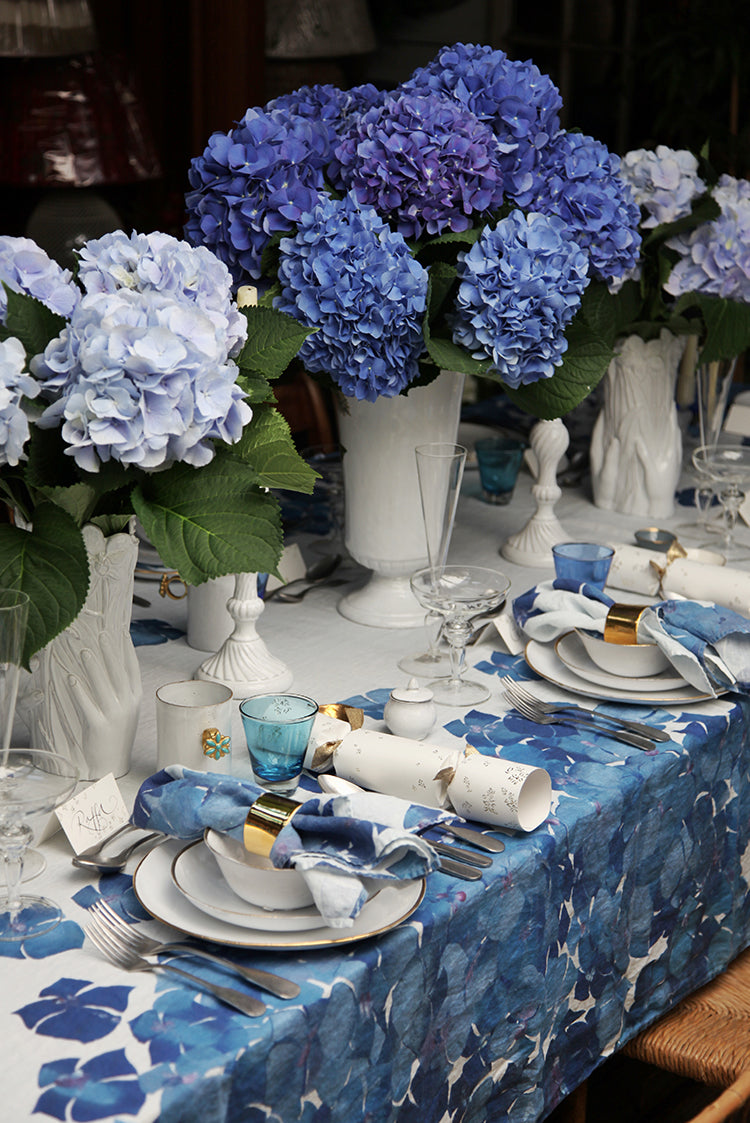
(15, 385)
(332, 107)
(26, 268)
(520, 286)
(664, 182)
(581, 184)
(715, 256)
(140, 377)
(519, 103)
(424, 162)
(252, 182)
(160, 263)
(346, 273)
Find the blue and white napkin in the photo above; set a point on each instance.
(337, 843)
(709, 646)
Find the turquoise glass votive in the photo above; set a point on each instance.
(583, 561)
(499, 460)
(277, 730)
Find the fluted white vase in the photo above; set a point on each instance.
(384, 527)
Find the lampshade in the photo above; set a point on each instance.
(39, 28)
(73, 122)
(317, 28)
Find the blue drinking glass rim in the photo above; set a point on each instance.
(505, 444)
(595, 552)
(279, 694)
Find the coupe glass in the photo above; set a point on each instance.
(459, 593)
(440, 469)
(32, 783)
(728, 466)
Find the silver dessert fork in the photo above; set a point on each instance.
(532, 713)
(122, 956)
(113, 925)
(511, 687)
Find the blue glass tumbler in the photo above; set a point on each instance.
(583, 561)
(499, 460)
(277, 730)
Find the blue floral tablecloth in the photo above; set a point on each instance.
(490, 1003)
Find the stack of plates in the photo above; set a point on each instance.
(183, 887)
(567, 664)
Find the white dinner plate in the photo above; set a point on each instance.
(543, 659)
(160, 897)
(196, 874)
(573, 654)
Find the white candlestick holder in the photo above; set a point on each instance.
(532, 545)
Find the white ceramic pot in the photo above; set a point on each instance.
(636, 444)
(383, 512)
(83, 695)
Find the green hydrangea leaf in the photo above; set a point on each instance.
(727, 325)
(30, 321)
(267, 446)
(273, 339)
(50, 564)
(210, 521)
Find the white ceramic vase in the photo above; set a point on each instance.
(636, 444)
(383, 513)
(83, 695)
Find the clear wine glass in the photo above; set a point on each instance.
(440, 469)
(728, 465)
(459, 593)
(32, 783)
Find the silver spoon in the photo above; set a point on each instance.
(92, 859)
(318, 572)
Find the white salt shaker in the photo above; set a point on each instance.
(410, 711)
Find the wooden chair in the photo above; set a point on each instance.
(302, 402)
(706, 1038)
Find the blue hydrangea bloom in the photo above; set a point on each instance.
(140, 377)
(252, 182)
(581, 184)
(424, 162)
(332, 107)
(160, 263)
(664, 182)
(346, 273)
(26, 268)
(520, 285)
(519, 103)
(715, 257)
(15, 385)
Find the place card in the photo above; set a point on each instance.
(91, 816)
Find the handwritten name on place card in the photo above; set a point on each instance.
(94, 814)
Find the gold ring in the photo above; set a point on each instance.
(165, 590)
(621, 624)
(265, 820)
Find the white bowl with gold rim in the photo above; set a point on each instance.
(254, 878)
(630, 660)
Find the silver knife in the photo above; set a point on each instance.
(459, 869)
(476, 838)
(461, 855)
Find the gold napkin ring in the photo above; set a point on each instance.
(265, 820)
(621, 624)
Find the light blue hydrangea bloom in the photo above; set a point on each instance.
(715, 256)
(141, 377)
(664, 182)
(346, 273)
(14, 386)
(158, 262)
(520, 286)
(26, 268)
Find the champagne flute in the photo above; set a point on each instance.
(440, 469)
(32, 783)
(459, 593)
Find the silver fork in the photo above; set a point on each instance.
(140, 944)
(122, 956)
(530, 711)
(510, 686)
